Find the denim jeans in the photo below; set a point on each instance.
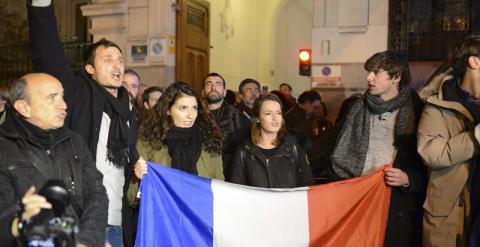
(114, 236)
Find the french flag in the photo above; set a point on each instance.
(180, 209)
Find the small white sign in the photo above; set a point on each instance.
(158, 47)
(158, 50)
(326, 76)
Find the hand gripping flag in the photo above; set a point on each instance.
(180, 209)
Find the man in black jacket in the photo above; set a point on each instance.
(249, 90)
(98, 110)
(35, 147)
(234, 125)
(299, 117)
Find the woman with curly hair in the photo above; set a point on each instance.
(271, 158)
(180, 132)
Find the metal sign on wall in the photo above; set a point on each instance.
(139, 53)
(158, 50)
(326, 76)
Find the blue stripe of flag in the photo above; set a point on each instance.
(176, 209)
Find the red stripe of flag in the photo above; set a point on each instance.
(352, 212)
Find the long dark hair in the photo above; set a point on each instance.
(157, 122)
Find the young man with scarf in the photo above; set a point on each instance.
(448, 141)
(98, 109)
(379, 129)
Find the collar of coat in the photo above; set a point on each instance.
(432, 94)
(285, 146)
(13, 129)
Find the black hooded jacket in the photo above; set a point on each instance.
(288, 167)
(30, 156)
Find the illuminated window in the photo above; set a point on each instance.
(425, 29)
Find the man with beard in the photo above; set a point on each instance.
(98, 110)
(232, 122)
(131, 82)
(249, 90)
(379, 129)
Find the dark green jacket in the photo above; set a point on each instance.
(208, 165)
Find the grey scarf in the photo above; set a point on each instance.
(348, 158)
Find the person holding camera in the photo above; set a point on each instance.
(36, 147)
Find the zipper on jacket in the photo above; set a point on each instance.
(50, 149)
(267, 166)
(51, 154)
(71, 187)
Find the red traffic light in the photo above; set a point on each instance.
(305, 62)
(304, 56)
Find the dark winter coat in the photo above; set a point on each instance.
(287, 168)
(24, 163)
(85, 102)
(299, 126)
(296, 120)
(404, 225)
(234, 126)
(2, 117)
(247, 111)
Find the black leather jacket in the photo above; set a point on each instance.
(234, 126)
(27, 161)
(287, 168)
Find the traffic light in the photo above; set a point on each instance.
(305, 62)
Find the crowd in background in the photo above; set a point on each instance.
(104, 120)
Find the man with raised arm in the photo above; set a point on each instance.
(98, 109)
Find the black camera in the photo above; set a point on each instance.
(51, 227)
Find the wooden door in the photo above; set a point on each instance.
(193, 41)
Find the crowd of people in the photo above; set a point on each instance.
(96, 130)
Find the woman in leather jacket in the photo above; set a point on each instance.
(271, 158)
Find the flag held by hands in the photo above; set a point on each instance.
(180, 209)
